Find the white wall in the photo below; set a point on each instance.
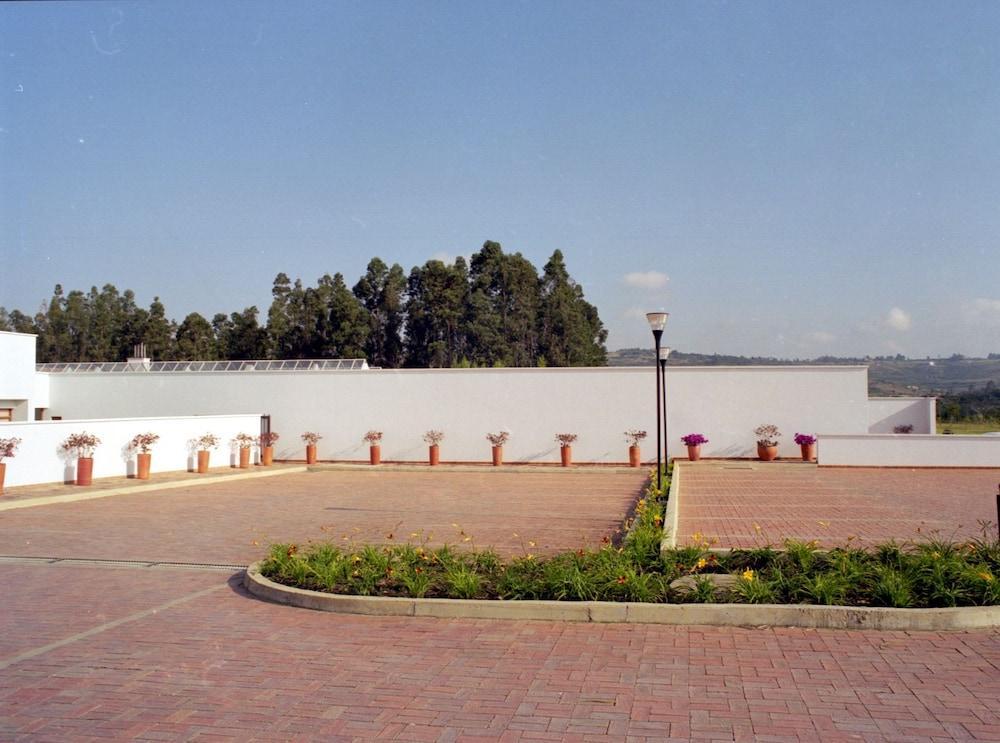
(42, 459)
(885, 413)
(598, 404)
(909, 450)
(17, 373)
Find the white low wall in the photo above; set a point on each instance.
(599, 404)
(909, 450)
(885, 413)
(41, 457)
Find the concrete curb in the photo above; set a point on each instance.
(721, 615)
(669, 540)
(150, 486)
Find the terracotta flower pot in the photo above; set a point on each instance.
(566, 455)
(375, 454)
(634, 458)
(434, 454)
(203, 456)
(244, 457)
(310, 453)
(266, 455)
(694, 453)
(84, 470)
(808, 452)
(3, 473)
(143, 460)
(497, 456)
(767, 453)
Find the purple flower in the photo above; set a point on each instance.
(804, 439)
(694, 439)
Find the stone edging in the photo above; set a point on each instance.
(669, 540)
(147, 487)
(730, 615)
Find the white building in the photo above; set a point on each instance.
(343, 400)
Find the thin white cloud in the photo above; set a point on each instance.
(898, 319)
(820, 337)
(445, 258)
(646, 279)
(636, 313)
(982, 311)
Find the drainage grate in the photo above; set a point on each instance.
(102, 562)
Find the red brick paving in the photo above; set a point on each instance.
(225, 666)
(727, 502)
(230, 666)
(233, 522)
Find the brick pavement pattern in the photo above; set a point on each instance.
(234, 522)
(740, 504)
(92, 652)
(225, 666)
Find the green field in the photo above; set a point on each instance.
(967, 427)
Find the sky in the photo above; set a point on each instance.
(786, 179)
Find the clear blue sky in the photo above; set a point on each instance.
(812, 177)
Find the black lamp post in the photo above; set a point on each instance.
(664, 353)
(657, 322)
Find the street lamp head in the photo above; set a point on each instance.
(657, 320)
(664, 352)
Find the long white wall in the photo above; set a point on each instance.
(598, 404)
(41, 457)
(885, 413)
(909, 450)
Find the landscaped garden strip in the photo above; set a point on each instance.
(933, 574)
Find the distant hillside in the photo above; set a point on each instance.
(886, 376)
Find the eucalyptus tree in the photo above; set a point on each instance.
(381, 291)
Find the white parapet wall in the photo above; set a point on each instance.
(885, 413)
(909, 450)
(598, 404)
(42, 459)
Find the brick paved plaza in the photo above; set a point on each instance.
(153, 653)
(728, 501)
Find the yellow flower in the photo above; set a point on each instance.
(936, 555)
(701, 563)
(749, 575)
(988, 577)
(467, 539)
(529, 556)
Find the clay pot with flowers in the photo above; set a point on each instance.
(633, 437)
(267, 448)
(244, 442)
(205, 444)
(498, 440)
(767, 442)
(82, 445)
(374, 439)
(693, 442)
(311, 439)
(142, 445)
(8, 448)
(807, 443)
(433, 439)
(566, 447)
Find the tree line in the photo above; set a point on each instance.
(494, 310)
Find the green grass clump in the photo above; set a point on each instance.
(933, 574)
